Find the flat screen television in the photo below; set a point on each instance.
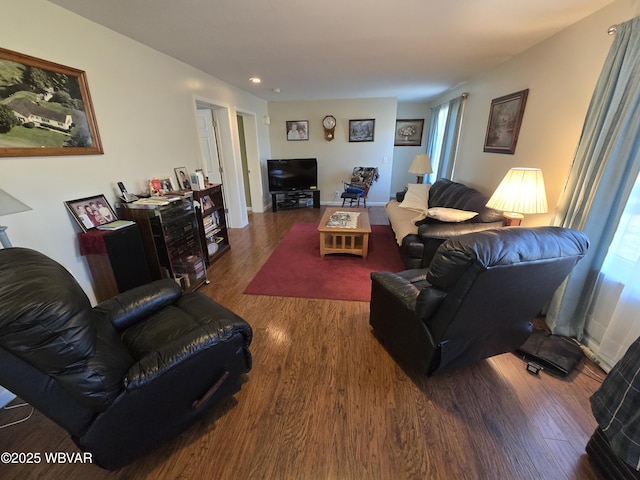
(292, 174)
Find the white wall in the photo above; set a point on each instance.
(144, 103)
(560, 74)
(403, 156)
(337, 158)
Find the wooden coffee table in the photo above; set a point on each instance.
(345, 240)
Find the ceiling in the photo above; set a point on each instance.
(332, 49)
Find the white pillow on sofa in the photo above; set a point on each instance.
(445, 214)
(417, 197)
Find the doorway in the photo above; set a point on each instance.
(222, 158)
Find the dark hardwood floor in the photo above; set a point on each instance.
(325, 401)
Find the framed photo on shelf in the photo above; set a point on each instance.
(362, 130)
(297, 130)
(505, 118)
(51, 106)
(166, 185)
(183, 178)
(91, 212)
(408, 133)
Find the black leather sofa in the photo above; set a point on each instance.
(125, 375)
(417, 250)
(478, 298)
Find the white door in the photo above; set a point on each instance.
(208, 145)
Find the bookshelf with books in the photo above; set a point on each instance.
(213, 222)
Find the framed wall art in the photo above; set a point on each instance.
(297, 130)
(362, 130)
(45, 109)
(408, 133)
(505, 118)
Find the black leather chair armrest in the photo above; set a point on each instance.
(191, 343)
(138, 303)
(401, 288)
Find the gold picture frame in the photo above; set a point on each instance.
(45, 109)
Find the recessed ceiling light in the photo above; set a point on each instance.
(255, 80)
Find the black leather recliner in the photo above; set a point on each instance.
(125, 375)
(477, 298)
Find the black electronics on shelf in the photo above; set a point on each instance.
(296, 199)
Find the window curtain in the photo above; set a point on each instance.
(443, 137)
(604, 170)
(616, 307)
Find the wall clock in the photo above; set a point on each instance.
(329, 124)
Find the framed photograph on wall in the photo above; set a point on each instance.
(409, 133)
(297, 130)
(183, 178)
(91, 212)
(46, 108)
(362, 130)
(505, 118)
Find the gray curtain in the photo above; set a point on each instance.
(444, 157)
(604, 169)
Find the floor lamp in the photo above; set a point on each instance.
(520, 192)
(9, 205)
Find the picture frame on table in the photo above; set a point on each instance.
(505, 119)
(91, 212)
(183, 177)
(51, 108)
(297, 130)
(408, 132)
(362, 130)
(166, 185)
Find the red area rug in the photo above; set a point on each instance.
(295, 268)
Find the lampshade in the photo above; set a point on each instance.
(421, 165)
(10, 204)
(521, 191)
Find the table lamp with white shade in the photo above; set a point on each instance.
(421, 166)
(8, 205)
(520, 192)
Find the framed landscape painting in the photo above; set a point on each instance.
(362, 130)
(45, 109)
(505, 118)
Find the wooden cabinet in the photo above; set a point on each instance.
(116, 259)
(213, 222)
(171, 236)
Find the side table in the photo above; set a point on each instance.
(116, 259)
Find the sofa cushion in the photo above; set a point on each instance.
(445, 214)
(416, 197)
(401, 220)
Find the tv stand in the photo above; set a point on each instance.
(295, 199)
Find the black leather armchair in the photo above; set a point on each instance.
(125, 375)
(477, 298)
